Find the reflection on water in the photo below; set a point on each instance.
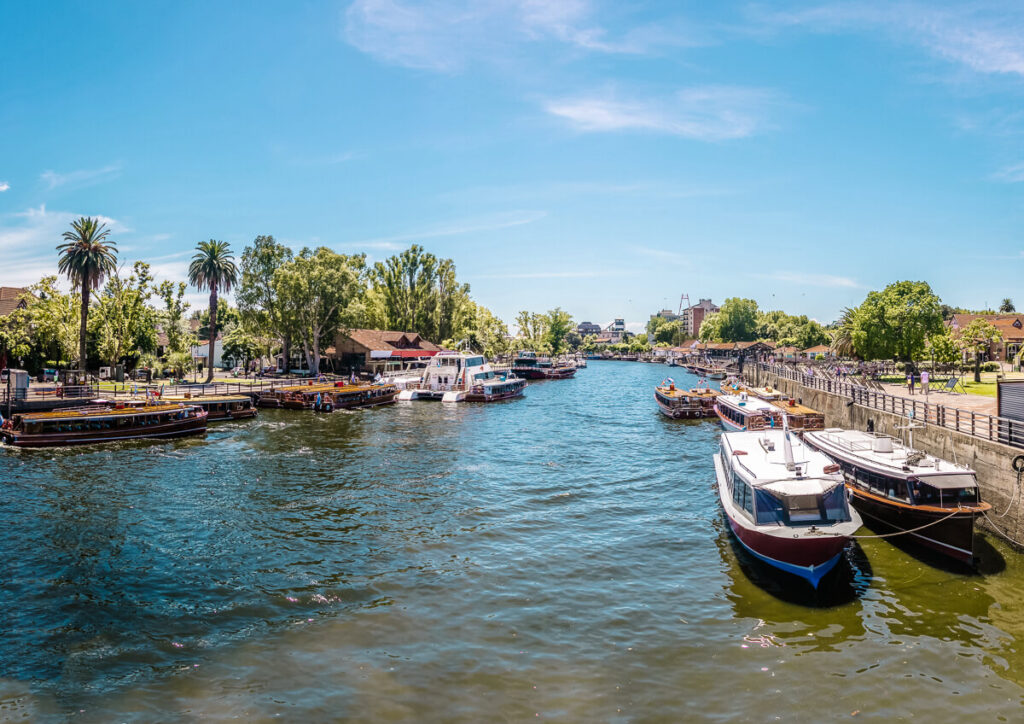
(562, 555)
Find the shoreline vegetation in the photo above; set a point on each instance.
(295, 303)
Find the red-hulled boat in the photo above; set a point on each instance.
(682, 404)
(785, 502)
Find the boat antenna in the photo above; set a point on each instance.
(787, 446)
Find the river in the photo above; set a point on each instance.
(561, 556)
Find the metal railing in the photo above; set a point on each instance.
(968, 422)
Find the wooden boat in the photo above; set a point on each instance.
(897, 488)
(743, 412)
(682, 404)
(464, 377)
(103, 423)
(799, 417)
(785, 503)
(220, 407)
(528, 365)
(327, 397)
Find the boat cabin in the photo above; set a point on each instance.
(743, 412)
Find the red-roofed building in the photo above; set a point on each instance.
(1011, 326)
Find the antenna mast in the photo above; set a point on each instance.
(683, 298)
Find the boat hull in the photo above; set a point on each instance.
(176, 428)
(809, 557)
(486, 397)
(688, 412)
(953, 537)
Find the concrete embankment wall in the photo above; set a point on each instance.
(992, 460)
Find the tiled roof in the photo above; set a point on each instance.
(383, 340)
(10, 299)
(821, 348)
(1011, 325)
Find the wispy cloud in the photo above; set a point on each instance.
(4, 186)
(1011, 174)
(449, 35)
(82, 177)
(809, 280)
(705, 113)
(465, 226)
(981, 37)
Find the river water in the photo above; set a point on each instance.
(561, 556)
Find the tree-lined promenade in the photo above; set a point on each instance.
(296, 303)
(288, 302)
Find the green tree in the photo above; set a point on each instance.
(262, 312)
(842, 334)
(241, 345)
(736, 321)
(124, 323)
(86, 258)
(416, 291)
(173, 320)
(943, 349)
(15, 334)
(976, 338)
(533, 331)
(1006, 306)
(896, 322)
(559, 324)
(711, 328)
(321, 291)
(213, 268)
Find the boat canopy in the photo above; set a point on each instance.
(955, 481)
(811, 486)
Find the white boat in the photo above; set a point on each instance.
(463, 377)
(785, 502)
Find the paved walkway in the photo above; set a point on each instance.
(964, 401)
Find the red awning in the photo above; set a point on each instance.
(408, 353)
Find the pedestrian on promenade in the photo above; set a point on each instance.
(910, 382)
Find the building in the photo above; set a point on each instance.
(616, 331)
(812, 352)
(695, 315)
(586, 328)
(12, 298)
(1010, 325)
(667, 314)
(371, 349)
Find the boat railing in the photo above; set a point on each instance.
(968, 422)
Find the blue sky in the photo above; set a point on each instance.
(604, 157)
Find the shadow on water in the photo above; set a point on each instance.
(846, 582)
(989, 560)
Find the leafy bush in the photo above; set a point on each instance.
(990, 367)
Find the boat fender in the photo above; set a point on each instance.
(1018, 463)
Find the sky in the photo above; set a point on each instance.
(604, 157)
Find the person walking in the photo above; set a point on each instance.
(910, 383)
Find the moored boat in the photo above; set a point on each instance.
(742, 412)
(327, 397)
(103, 423)
(464, 377)
(220, 407)
(685, 404)
(531, 367)
(898, 488)
(784, 502)
(800, 417)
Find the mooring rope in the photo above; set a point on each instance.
(899, 532)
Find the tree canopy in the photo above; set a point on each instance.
(895, 323)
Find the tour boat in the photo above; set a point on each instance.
(800, 417)
(785, 502)
(529, 366)
(220, 407)
(103, 423)
(682, 404)
(743, 412)
(327, 397)
(902, 489)
(463, 377)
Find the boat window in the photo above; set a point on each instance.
(769, 509)
(748, 499)
(803, 508)
(836, 507)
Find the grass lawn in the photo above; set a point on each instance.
(985, 388)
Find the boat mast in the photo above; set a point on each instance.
(787, 446)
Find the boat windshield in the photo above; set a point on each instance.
(945, 490)
(775, 508)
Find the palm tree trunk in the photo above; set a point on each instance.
(83, 328)
(213, 333)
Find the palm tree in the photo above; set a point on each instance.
(213, 268)
(1007, 306)
(86, 258)
(842, 335)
